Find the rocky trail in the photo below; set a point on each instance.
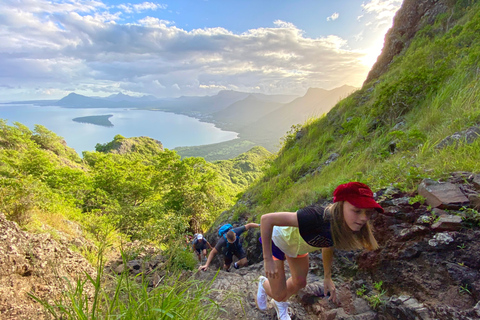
(427, 266)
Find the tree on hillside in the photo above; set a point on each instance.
(194, 192)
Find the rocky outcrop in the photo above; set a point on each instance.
(410, 18)
(35, 264)
(467, 136)
(142, 145)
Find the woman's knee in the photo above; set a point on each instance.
(299, 283)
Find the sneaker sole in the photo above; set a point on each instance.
(276, 310)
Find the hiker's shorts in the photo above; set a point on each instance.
(201, 247)
(239, 253)
(278, 254)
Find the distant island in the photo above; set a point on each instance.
(101, 120)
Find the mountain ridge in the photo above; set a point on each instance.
(253, 115)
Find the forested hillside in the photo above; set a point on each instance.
(129, 187)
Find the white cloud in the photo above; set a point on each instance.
(148, 6)
(333, 17)
(141, 7)
(383, 11)
(82, 45)
(283, 24)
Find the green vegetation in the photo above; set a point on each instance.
(388, 132)
(471, 217)
(465, 289)
(417, 199)
(126, 195)
(217, 151)
(238, 173)
(376, 298)
(101, 120)
(174, 296)
(142, 147)
(361, 291)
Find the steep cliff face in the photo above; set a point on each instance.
(410, 18)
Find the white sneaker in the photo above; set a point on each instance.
(261, 298)
(282, 310)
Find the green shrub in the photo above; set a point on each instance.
(179, 257)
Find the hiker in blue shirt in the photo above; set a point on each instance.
(229, 244)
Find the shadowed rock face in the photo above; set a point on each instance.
(410, 18)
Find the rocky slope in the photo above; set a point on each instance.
(410, 18)
(427, 266)
(35, 264)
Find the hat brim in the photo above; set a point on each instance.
(366, 203)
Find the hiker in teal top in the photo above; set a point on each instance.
(292, 235)
(229, 244)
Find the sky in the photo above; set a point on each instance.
(174, 48)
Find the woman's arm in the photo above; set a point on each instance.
(267, 222)
(329, 286)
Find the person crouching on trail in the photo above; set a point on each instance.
(291, 235)
(230, 246)
(200, 245)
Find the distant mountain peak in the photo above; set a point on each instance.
(73, 94)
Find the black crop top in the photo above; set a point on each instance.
(314, 229)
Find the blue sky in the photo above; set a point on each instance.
(197, 47)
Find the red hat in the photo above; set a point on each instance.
(358, 194)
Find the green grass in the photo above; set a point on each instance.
(387, 132)
(176, 295)
(217, 151)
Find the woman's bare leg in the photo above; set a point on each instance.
(275, 286)
(299, 270)
(281, 289)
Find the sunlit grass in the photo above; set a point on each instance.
(175, 295)
(386, 134)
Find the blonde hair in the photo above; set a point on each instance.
(343, 237)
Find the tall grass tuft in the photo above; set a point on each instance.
(176, 295)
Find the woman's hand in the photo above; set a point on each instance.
(329, 287)
(271, 270)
